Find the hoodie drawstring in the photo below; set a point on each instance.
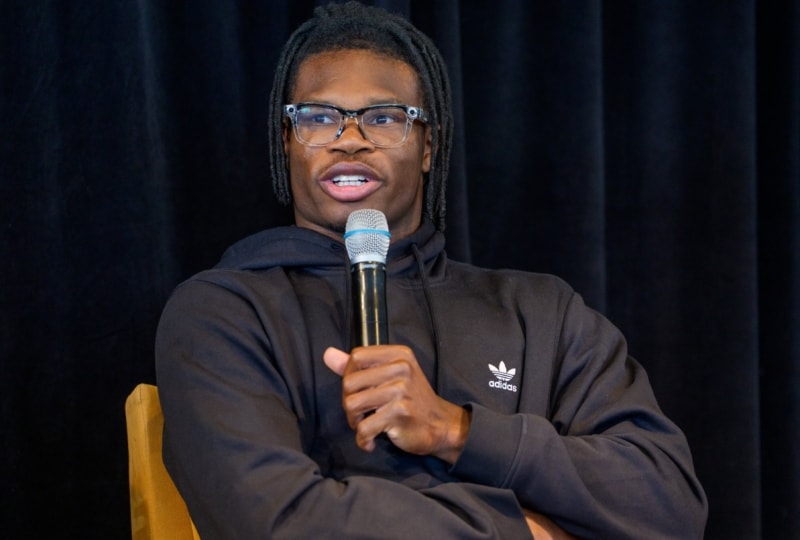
(428, 300)
(348, 302)
(431, 314)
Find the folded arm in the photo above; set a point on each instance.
(605, 462)
(237, 442)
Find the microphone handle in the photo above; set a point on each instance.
(369, 303)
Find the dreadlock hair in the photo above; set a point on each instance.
(355, 26)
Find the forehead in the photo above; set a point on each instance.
(354, 78)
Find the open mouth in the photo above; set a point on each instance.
(349, 180)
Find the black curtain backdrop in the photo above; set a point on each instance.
(646, 151)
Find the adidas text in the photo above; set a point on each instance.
(503, 386)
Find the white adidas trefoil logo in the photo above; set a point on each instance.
(503, 377)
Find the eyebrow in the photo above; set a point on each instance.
(369, 103)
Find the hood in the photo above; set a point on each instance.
(298, 246)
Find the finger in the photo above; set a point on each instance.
(374, 377)
(335, 359)
(366, 442)
(361, 405)
(366, 357)
(369, 428)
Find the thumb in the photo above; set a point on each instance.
(335, 359)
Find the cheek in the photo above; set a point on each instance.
(298, 158)
(300, 161)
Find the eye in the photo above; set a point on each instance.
(382, 117)
(317, 116)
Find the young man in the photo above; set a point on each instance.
(504, 407)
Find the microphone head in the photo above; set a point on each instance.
(367, 236)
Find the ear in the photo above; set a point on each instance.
(286, 132)
(428, 151)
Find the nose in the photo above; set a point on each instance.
(352, 138)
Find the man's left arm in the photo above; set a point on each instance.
(606, 462)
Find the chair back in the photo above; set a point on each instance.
(158, 512)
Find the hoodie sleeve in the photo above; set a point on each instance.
(605, 462)
(234, 444)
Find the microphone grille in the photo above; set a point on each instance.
(367, 236)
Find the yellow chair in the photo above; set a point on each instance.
(157, 509)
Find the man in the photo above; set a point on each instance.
(504, 407)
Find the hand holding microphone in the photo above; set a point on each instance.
(384, 390)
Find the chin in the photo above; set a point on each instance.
(338, 228)
(338, 223)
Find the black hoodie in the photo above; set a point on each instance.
(563, 421)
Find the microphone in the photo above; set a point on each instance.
(367, 239)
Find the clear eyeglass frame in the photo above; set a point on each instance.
(380, 135)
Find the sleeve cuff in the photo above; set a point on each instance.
(492, 443)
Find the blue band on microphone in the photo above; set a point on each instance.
(348, 234)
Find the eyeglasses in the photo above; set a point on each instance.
(385, 126)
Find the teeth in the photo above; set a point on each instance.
(349, 180)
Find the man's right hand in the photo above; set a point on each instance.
(385, 391)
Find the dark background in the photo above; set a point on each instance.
(646, 151)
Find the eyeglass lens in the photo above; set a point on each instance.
(383, 126)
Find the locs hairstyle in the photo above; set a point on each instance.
(355, 26)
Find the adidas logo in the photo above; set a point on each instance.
(503, 377)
